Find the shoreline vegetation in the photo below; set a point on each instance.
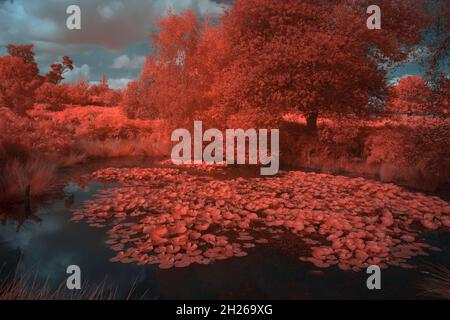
(29, 286)
(401, 150)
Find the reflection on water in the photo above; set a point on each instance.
(268, 270)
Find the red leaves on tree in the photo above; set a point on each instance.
(410, 96)
(26, 52)
(55, 75)
(18, 82)
(137, 103)
(413, 96)
(179, 74)
(314, 56)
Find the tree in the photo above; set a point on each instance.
(172, 78)
(17, 84)
(177, 72)
(437, 40)
(411, 96)
(441, 96)
(26, 53)
(315, 56)
(55, 75)
(19, 78)
(437, 57)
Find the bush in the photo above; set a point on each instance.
(112, 98)
(14, 128)
(18, 84)
(136, 103)
(418, 155)
(410, 151)
(56, 95)
(79, 93)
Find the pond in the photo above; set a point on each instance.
(269, 269)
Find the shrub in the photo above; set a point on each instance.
(410, 96)
(14, 128)
(112, 98)
(136, 103)
(419, 154)
(79, 93)
(17, 175)
(53, 94)
(410, 151)
(18, 84)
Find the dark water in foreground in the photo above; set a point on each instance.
(46, 248)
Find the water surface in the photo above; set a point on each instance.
(269, 271)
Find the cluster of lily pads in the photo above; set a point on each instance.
(176, 218)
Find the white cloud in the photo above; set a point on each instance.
(110, 10)
(137, 62)
(118, 83)
(124, 62)
(121, 62)
(77, 74)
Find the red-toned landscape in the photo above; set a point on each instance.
(86, 176)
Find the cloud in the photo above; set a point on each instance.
(110, 10)
(110, 29)
(118, 83)
(111, 24)
(124, 62)
(77, 74)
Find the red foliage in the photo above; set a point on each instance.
(410, 96)
(442, 96)
(18, 83)
(315, 56)
(136, 103)
(438, 38)
(26, 53)
(79, 93)
(21, 84)
(413, 96)
(53, 94)
(179, 74)
(55, 75)
(102, 94)
(173, 75)
(19, 78)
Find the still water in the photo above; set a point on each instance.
(48, 243)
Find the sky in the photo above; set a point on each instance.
(114, 35)
(114, 38)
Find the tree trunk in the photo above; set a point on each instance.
(311, 121)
